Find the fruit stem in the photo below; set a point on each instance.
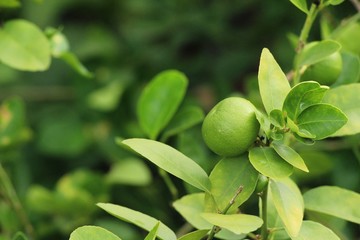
(311, 16)
(9, 192)
(215, 229)
(263, 212)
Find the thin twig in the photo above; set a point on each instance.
(356, 4)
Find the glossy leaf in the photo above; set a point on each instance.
(302, 96)
(153, 233)
(24, 46)
(196, 235)
(347, 98)
(309, 229)
(159, 101)
(288, 203)
(185, 118)
(290, 155)
(334, 201)
(171, 161)
(236, 223)
(92, 233)
(226, 178)
(316, 51)
(273, 84)
(269, 163)
(139, 219)
(301, 4)
(322, 120)
(350, 72)
(277, 118)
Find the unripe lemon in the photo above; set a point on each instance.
(325, 72)
(231, 127)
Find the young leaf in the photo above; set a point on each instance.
(196, 235)
(335, 201)
(75, 63)
(171, 161)
(152, 234)
(92, 233)
(273, 84)
(333, 2)
(139, 219)
(185, 118)
(159, 101)
(347, 98)
(226, 178)
(316, 51)
(236, 223)
(322, 120)
(350, 72)
(269, 163)
(309, 229)
(288, 203)
(290, 155)
(302, 96)
(264, 121)
(24, 46)
(301, 4)
(277, 118)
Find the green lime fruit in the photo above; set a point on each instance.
(231, 127)
(325, 72)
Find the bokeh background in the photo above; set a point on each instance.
(70, 161)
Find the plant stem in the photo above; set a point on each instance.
(356, 4)
(10, 194)
(171, 186)
(264, 228)
(311, 16)
(216, 229)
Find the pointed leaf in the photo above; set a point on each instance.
(302, 96)
(236, 223)
(301, 4)
(350, 72)
(316, 51)
(153, 233)
(288, 203)
(139, 219)
(290, 155)
(92, 233)
(273, 84)
(309, 229)
(196, 235)
(171, 161)
(335, 201)
(24, 46)
(75, 63)
(269, 163)
(159, 101)
(226, 178)
(322, 120)
(347, 98)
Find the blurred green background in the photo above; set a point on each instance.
(70, 161)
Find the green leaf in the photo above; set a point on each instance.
(152, 234)
(309, 229)
(226, 178)
(269, 163)
(196, 235)
(334, 201)
(129, 171)
(185, 118)
(24, 46)
(159, 101)
(20, 236)
(288, 203)
(10, 3)
(302, 96)
(92, 233)
(139, 219)
(334, 2)
(322, 120)
(277, 118)
(301, 4)
(264, 121)
(350, 72)
(316, 51)
(290, 155)
(236, 223)
(171, 161)
(273, 84)
(347, 98)
(75, 63)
